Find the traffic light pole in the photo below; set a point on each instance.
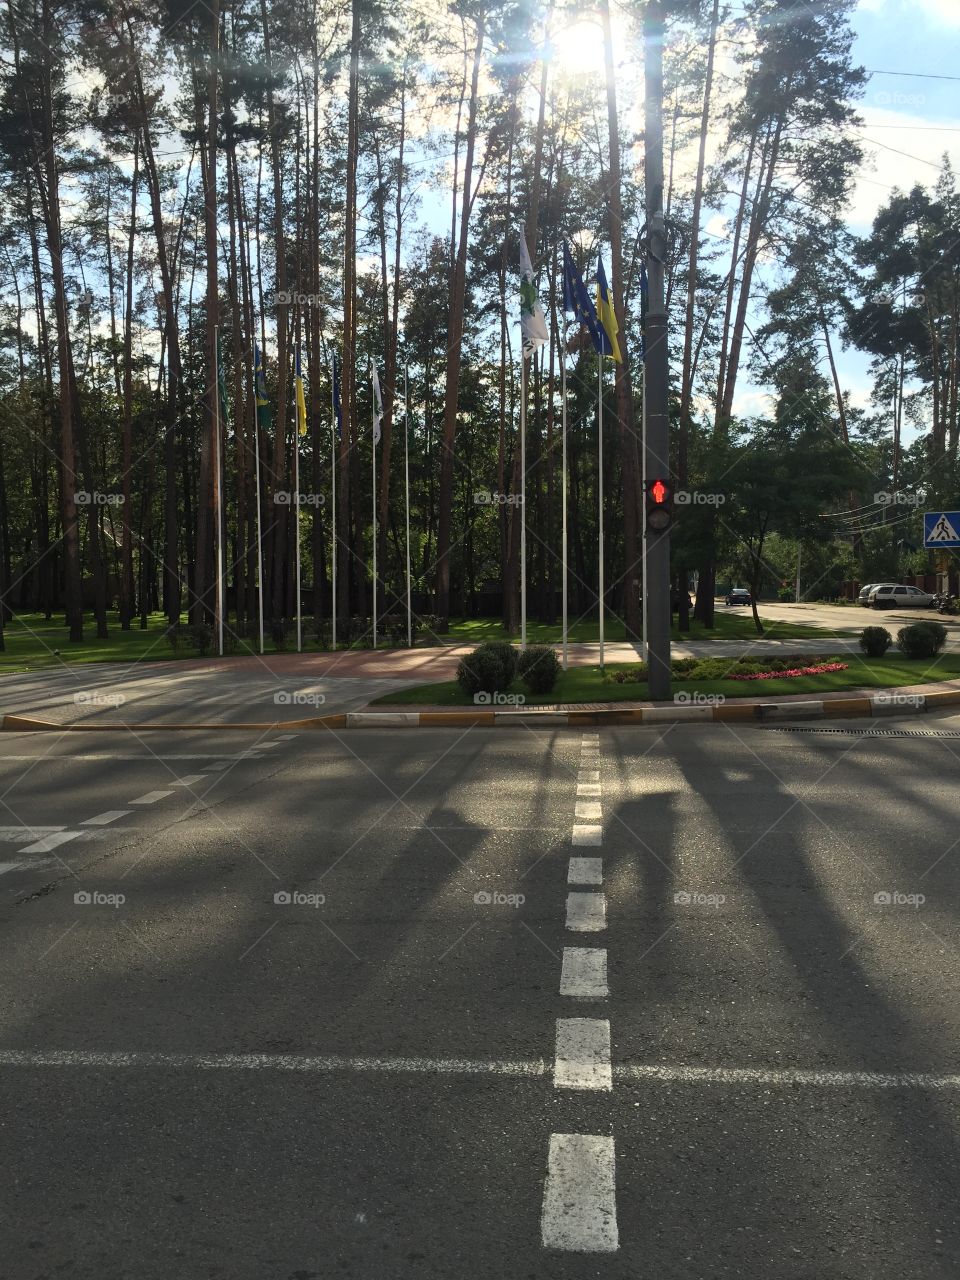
(656, 377)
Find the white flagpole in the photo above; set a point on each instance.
(218, 493)
(374, 513)
(523, 498)
(406, 471)
(600, 491)
(333, 509)
(563, 481)
(296, 508)
(256, 444)
(643, 481)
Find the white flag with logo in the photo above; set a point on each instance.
(377, 407)
(533, 324)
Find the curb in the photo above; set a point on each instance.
(865, 705)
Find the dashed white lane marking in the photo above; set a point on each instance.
(222, 764)
(10, 866)
(579, 1196)
(588, 775)
(585, 871)
(50, 842)
(586, 912)
(151, 797)
(586, 834)
(583, 1054)
(103, 819)
(190, 780)
(590, 810)
(588, 789)
(583, 974)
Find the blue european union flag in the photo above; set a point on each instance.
(578, 301)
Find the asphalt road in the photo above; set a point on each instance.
(540, 1005)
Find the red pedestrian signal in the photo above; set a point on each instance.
(659, 506)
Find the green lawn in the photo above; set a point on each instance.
(33, 641)
(736, 625)
(587, 684)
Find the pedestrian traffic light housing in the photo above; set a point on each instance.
(659, 505)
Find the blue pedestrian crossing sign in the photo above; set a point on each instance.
(941, 528)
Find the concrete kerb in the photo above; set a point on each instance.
(856, 705)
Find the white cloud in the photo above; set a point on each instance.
(900, 156)
(946, 11)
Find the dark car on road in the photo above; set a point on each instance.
(738, 595)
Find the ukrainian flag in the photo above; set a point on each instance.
(606, 314)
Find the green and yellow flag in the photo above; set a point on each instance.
(260, 390)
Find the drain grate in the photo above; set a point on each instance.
(869, 733)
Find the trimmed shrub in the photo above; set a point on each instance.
(634, 675)
(875, 641)
(539, 668)
(786, 595)
(922, 639)
(483, 671)
(508, 655)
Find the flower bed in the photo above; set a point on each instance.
(817, 670)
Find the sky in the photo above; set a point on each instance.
(910, 120)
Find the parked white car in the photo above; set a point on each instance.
(864, 597)
(890, 595)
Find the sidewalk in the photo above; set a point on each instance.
(293, 688)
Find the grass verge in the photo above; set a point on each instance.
(589, 684)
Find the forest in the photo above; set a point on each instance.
(201, 203)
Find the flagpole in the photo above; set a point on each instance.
(333, 506)
(563, 468)
(406, 472)
(523, 499)
(296, 501)
(600, 492)
(218, 498)
(373, 433)
(256, 443)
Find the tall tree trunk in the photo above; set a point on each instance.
(208, 512)
(628, 439)
(126, 553)
(454, 343)
(687, 371)
(348, 380)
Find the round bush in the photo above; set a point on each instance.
(483, 671)
(507, 655)
(539, 668)
(875, 641)
(922, 639)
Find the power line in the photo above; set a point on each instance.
(909, 156)
(913, 75)
(920, 128)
